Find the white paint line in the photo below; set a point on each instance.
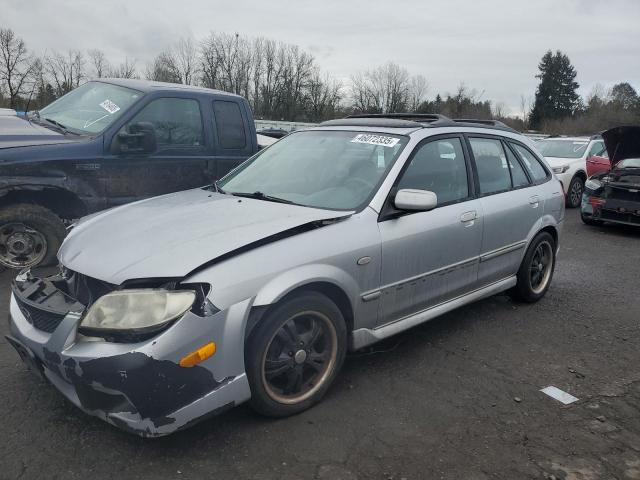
(559, 395)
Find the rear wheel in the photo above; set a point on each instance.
(294, 354)
(30, 235)
(574, 195)
(536, 270)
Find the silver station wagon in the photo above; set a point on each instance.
(173, 308)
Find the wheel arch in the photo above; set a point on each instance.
(330, 281)
(60, 201)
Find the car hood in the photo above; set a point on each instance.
(557, 161)
(622, 142)
(172, 235)
(18, 132)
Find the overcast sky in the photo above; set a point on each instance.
(494, 46)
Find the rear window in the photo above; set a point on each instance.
(229, 125)
(536, 170)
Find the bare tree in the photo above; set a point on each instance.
(66, 70)
(418, 87)
(100, 64)
(163, 68)
(387, 89)
(186, 60)
(16, 66)
(126, 69)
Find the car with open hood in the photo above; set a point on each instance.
(613, 195)
(567, 157)
(170, 309)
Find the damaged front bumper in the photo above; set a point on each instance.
(139, 387)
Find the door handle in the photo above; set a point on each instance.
(534, 201)
(468, 216)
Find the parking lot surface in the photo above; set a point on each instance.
(456, 398)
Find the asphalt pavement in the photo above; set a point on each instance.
(456, 398)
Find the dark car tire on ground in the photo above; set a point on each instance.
(574, 193)
(527, 289)
(270, 349)
(41, 230)
(590, 221)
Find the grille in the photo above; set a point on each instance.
(40, 319)
(619, 217)
(623, 194)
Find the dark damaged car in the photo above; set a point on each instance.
(107, 143)
(184, 305)
(614, 195)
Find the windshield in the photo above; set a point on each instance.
(90, 108)
(562, 148)
(629, 163)
(335, 170)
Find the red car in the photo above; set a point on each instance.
(597, 164)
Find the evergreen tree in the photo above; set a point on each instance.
(624, 96)
(556, 95)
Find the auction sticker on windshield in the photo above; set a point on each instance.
(382, 140)
(109, 106)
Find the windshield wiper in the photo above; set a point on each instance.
(262, 196)
(57, 124)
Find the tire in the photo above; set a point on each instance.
(590, 221)
(527, 289)
(574, 194)
(30, 235)
(273, 366)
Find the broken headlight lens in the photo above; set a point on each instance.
(593, 184)
(142, 310)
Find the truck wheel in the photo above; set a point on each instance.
(30, 235)
(574, 195)
(294, 354)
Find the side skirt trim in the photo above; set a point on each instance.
(366, 336)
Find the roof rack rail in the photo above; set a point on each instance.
(416, 117)
(474, 122)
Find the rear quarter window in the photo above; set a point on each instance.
(537, 172)
(229, 125)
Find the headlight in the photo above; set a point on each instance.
(137, 310)
(593, 184)
(561, 169)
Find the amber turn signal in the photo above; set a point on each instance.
(199, 355)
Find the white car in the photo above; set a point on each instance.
(567, 157)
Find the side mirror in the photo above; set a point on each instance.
(140, 138)
(415, 200)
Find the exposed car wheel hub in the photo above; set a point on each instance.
(300, 357)
(541, 267)
(21, 246)
(576, 193)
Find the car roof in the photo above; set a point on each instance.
(147, 86)
(415, 121)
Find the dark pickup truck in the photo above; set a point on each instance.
(107, 143)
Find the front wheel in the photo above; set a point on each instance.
(30, 235)
(294, 354)
(574, 195)
(536, 270)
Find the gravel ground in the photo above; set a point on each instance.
(456, 398)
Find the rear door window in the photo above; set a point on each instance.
(531, 163)
(491, 164)
(229, 125)
(518, 176)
